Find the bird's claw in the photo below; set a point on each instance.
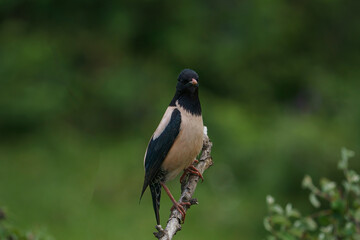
(180, 208)
(160, 232)
(193, 170)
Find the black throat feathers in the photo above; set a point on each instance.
(189, 101)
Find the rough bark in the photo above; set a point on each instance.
(187, 190)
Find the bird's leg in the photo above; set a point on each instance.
(183, 176)
(178, 206)
(182, 204)
(193, 170)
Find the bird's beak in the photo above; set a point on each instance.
(194, 82)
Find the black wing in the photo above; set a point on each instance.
(158, 148)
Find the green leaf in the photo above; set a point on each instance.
(291, 212)
(288, 209)
(314, 201)
(347, 186)
(338, 205)
(310, 223)
(352, 176)
(350, 187)
(345, 155)
(307, 182)
(297, 224)
(270, 200)
(327, 229)
(280, 220)
(267, 224)
(349, 229)
(277, 209)
(296, 232)
(327, 185)
(355, 189)
(343, 164)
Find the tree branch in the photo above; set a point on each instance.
(187, 190)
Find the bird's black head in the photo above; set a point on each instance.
(187, 92)
(188, 81)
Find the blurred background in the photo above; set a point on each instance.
(85, 83)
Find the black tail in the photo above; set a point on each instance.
(155, 189)
(146, 183)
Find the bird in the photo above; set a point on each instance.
(176, 142)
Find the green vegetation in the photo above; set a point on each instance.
(8, 232)
(83, 85)
(337, 215)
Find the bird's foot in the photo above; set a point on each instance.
(195, 161)
(180, 208)
(160, 232)
(194, 170)
(183, 176)
(191, 169)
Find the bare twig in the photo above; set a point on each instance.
(187, 190)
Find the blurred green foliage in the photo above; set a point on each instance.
(85, 83)
(338, 219)
(9, 232)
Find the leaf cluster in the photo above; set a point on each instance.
(10, 232)
(337, 214)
